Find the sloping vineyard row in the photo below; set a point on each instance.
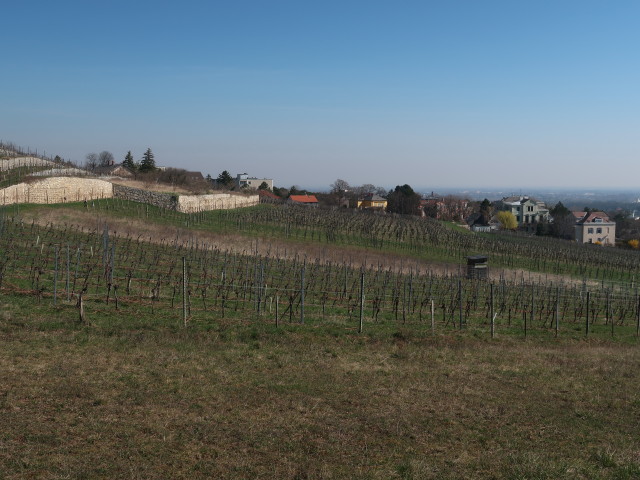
(198, 282)
(422, 238)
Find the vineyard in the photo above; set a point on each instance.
(415, 238)
(279, 342)
(192, 282)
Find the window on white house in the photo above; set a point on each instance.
(590, 230)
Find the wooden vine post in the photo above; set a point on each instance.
(493, 317)
(361, 301)
(184, 291)
(302, 292)
(55, 280)
(557, 311)
(460, 303)
(586, 324)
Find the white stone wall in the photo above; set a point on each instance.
(56, 190)
(72, 189)
(215, 201)
(57, 172)
(8, 164)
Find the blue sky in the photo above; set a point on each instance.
(435, 94)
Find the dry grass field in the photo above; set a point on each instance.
(253, 401)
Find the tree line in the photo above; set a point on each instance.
(106, 159)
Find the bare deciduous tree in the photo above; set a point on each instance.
(91, 161)
(105, 159)
(340, 186)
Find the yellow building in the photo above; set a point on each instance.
(372, 201)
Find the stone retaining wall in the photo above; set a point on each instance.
(8, 164)
(215, 201)
(186, 203)
(162, 200)
(72, 189)
(62, 172)
(56, 190)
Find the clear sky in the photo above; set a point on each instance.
(513, 93)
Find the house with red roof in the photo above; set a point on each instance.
(269, 197)
(308, 200)
(595, 227)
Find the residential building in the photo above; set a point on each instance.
(194, 176)
(447, 207)
(113, 170)
(269, 197)
(371, 201)
(308, 200)
(479, 222)
(432, 206)
(243, 180)
(526, 210)
(595, 227)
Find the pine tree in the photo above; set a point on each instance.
(147, 164)
(403, 200)
(225, 179)
(129, 162)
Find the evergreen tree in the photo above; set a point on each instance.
(225, 179)
(563, 225)
(147, 164)
(281, 192)
(485, 210)
(559, 210)
(129, 162)
(403, 200)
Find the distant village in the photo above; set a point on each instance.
(515, 213)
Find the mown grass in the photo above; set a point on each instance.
(246, 400)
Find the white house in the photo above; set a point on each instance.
(243, 180)
(525, 209)
(595, 227)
